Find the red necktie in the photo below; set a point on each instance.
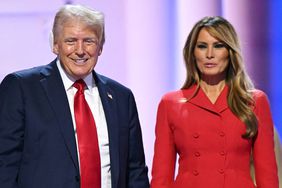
(90, 167)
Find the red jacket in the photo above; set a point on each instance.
(207, 138)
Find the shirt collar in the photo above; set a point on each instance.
(68, 80)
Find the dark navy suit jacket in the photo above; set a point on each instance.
(37, 140)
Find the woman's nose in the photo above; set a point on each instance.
(210, 52)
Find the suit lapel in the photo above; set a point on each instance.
(109, 102)
(221, 103)
(202, 101)
(55, 92)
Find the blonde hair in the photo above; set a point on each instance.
(240, 99)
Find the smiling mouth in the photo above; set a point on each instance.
(80, 61)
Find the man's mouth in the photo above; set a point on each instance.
(80, 61)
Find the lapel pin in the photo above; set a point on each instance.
(110, 96)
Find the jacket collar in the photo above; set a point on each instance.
(201, 100)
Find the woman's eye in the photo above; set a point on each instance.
(201, 46)
(219, 45)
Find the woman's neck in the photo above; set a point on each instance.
(212, 89)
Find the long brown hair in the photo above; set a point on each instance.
(240, 99)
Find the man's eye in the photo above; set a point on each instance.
(69, 41)
(90, 41)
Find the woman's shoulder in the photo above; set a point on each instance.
(260, 98)
(258, 94)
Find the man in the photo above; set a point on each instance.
(62, 125)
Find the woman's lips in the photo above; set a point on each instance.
(209, 65)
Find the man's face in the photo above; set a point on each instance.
(78, 48)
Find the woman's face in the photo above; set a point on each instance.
(211, 56)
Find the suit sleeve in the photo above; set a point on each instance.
(263, 150)
(11, 131)
(164, 152)
(137, 169)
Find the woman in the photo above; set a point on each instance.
(216, 120)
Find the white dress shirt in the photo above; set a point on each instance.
(94, 101)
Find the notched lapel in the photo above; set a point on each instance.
(221, 103)
(109, 102)
(54, 89)
(202, 101)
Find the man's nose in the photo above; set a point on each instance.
(80, 48)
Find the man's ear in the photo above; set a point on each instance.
(55, 49)
(100, 51)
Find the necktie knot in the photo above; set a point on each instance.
(79, 85)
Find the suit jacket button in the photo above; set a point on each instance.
(195, 172)
(197, 154)
(196, 135)
(222, 153)
(221, 171)
(221, 133)
(77, 178)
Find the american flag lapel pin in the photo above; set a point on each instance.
(110, 95)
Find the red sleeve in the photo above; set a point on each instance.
(263, 150)
(165, 152)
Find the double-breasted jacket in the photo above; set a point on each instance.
(208, 140)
